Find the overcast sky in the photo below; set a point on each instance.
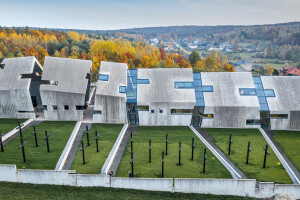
(119, 14)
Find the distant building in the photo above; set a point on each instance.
(294, 72)
(285, 70)
(259, 69)
(243, 66)
(19, 87)
(66, 95)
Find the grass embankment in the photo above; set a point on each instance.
(7, 125)
(187, 169)
(95, 160)
(289, 141)
(274, 171)
(38, 157)
(29, 191)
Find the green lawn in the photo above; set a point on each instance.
(38, 157)
(289, 141)
(30, 191)
(274, 171)
(7, 125)
(188, 168)
(95, 160)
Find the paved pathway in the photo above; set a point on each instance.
(117, 159)
(227, 162)
(295, 175)
(75, 145)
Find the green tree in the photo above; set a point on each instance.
(194, 57)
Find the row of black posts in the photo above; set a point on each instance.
(131, 174)
(88, 143)
(248, 151)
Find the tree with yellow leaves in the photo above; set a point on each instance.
(270, 70)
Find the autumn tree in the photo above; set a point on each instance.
(194, 57)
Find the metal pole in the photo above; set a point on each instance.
(149, 151)
(230, 141)
(204, 160)
(167, 140)
(83, 157)
(97, 141)
(193, 146)
(265, 158)
(248, 150)
(22, 143)
(162, 163)
(35, 137)
(48, 149)
(87, 136)
(179, 153)
(131, 146)
(1, 142)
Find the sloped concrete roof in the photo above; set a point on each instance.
(70, 74)
(10, 75)
(161, 87)
(117, 73)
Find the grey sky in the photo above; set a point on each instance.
(118, 14)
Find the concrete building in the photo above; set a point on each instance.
(283, 101)
(67, 92)
(225, 102)
(19, 87)
(110, 99)
(165, 96)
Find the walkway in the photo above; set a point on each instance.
(207, 140)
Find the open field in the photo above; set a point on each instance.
(7, 125)
(187, 169)
(289, 141)
(274, 171)
(95, 160)
(38, 157)
(30, 191)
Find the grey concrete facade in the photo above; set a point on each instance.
(65, 95)
(286, 101)
(230, 109)
(110, 104)
(19, 84)
(160, 95)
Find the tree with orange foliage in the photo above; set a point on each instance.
(169, 62)
(163, 53)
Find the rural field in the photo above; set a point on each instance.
(38, 157)
(274, 171)
(187, 169)
(95, 160)
(289, 143)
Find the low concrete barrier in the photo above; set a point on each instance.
(152, 184)
(8, 173)
(53, 177)
(91, 180)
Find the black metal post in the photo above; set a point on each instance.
(87, 135)
(82, 149)
(204, 160)
(179, 153)
(162, 163)
(35, 136)
(193, 146)
(47, 141)
(230, 141)
(131, 145)
(22, 142)
(1, 142)
(167, 140)
(131, 162)
(265, 158)
(96, 138)
(149, 151)
(248, 150)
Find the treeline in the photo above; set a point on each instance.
(19, 42)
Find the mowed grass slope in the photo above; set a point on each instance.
(274, 171)
(38, 157)
(289, 141)
(95, 160)
(29, 191)
(187, 169)
(7, 125)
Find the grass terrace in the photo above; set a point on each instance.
(95, 160)
(289, 141)
(7, 125)
(187, 169)
(38, 157)
(29, 191)
(274, 171)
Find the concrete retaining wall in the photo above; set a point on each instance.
(237, 187)
(152, 184)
